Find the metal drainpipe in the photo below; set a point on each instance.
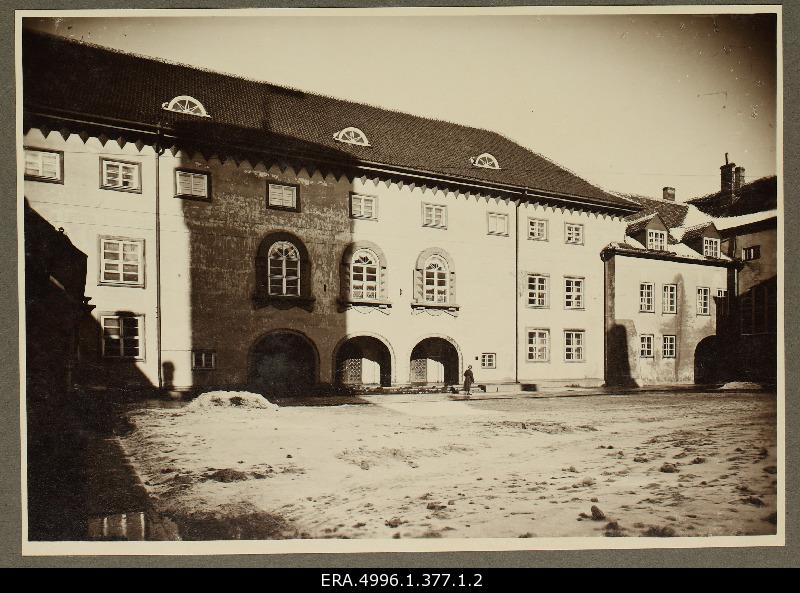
(159, 150)
(516, 291)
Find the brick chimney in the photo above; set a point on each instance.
(669, 194)
(727, 174)
(738, 178)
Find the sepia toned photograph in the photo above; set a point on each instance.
(403, 280)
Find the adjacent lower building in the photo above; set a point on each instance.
(241, 234)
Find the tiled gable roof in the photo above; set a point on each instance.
(757, 196)
(672, 213)
(62, 75)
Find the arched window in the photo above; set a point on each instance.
(283, 273)
(437, 283)
(185, 104)
(352, 136)
(485, 161)
(364, 276)
(284, 269)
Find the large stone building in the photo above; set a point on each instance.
(240, 233)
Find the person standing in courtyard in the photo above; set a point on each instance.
(469, 379)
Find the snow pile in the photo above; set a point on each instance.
(231, 399)
(734, 385)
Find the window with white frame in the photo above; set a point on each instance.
(351, 135)
(488, 360)
(122, 336)
(282, 196)
(191, 184)
(121, 261)
(669, 347)
(656, 240)
(434, 215)
(485, 161)
(283, 269)
(538, 291)
(120, 175)
(573, 293)
(185, 104)
(537, 229)
(703, 301)
(710, 247)
(646, 346)
(669, 299)
(364, 277)
(646, 297)
(751, 253)
(436, 287)
(722, 301)
(498, 223)
(204, 360)
(573, 233)
(573, 345)
(538, 345)
(363, 206)
(43, 165)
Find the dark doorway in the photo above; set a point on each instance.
(283, 363)
(364, 360)
(706, 361)
(434, 361)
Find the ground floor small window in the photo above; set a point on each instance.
(204, 360)
(488, 360)
(122, 336)
(669, 347)
(573, 345)
(646, 346)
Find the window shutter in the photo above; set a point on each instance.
(184, 183)
(418, 281)
(452, 300)
(382, 291)
(261, 275)
(345, 284)
(199, 185)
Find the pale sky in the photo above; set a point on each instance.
(631, 103)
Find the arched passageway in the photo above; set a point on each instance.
(435, 361)
(283, 363)
(706, 361)
(363, 360)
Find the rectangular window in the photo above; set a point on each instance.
(573, 345)
(204, 360)
(537, 229)
(722, 301)
(434, 215)
(498, 223)
(703, 301)
(120, 175)
(282, 196)
(669, 302)
(710, 247)
(751, 253)
(538, 345)
(646, 298)
(656, 240)
(646, 346)
(573, 233)
(363, 206)
(573, 293)
(538, 291)
(669, 348)
(122, 336)
(191, 184)
(122, 261)
(488, 360)
(44, 165)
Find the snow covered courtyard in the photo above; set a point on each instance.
(651, 464)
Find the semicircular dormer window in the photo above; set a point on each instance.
(351, 136)
(186, 104)
(485, 161)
